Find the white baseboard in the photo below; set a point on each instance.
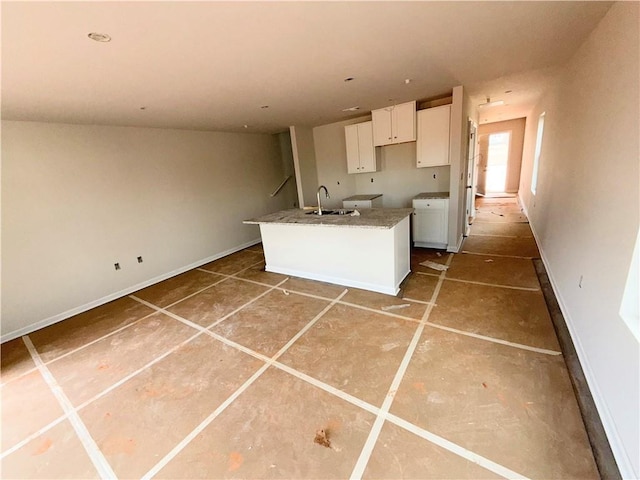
(523, 206)
(338, 281)
(617, 446)
(113, 296)
(440, 246)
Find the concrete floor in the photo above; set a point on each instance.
(228, 371)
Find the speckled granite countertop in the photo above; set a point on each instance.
(368, 218)
(426, 195)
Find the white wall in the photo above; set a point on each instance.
(289, 191)
(331, 161)
(304, 159)
(398, 178)
(585, 213)
(461, 111)
(76, 199)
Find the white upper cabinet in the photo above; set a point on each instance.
(396, 124)
(361, 155)
(433, 136)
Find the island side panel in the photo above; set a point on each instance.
(402, 251)
(355, 257)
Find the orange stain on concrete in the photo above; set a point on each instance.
(419, 386)
(118, 445)
(43, 446)
(235, 461)
(334, 425)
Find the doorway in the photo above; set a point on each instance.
(500, 157)
(497, 161)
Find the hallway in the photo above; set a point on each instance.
(228, 371)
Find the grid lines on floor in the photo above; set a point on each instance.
(228, 371)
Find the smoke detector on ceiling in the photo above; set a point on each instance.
(489, 103)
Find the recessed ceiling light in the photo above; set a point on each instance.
(349, 79)
(407, 81)
(350, 109)
(246, 126)
(99, 37)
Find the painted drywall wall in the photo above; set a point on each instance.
(516, 127)
(331, 161)
(76, 199)
(398, 178)
(461, 111)
(585, 213)
(289, 191)
(304, 160)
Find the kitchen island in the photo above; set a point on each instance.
(368, 251)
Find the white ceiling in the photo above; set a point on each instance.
(212, 65)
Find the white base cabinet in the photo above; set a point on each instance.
(432, 148)
(375, 259)
(430, 222)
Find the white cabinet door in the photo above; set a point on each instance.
(367, 150)
(395, 124)
(433, 136)
(361, 154)
(430, 223)
(403, 122)
(382, 126)
(353, 149)
(428, 226)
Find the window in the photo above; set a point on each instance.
(536, 157)
(629, 306)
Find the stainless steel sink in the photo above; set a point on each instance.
(340, 211)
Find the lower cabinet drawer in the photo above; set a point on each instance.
(430, 203)
(356, 204)
(374, 203)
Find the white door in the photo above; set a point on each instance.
(497, 162)
(481, 163)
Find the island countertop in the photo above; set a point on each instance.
(368, 218)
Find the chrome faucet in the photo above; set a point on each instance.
(318, 195)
